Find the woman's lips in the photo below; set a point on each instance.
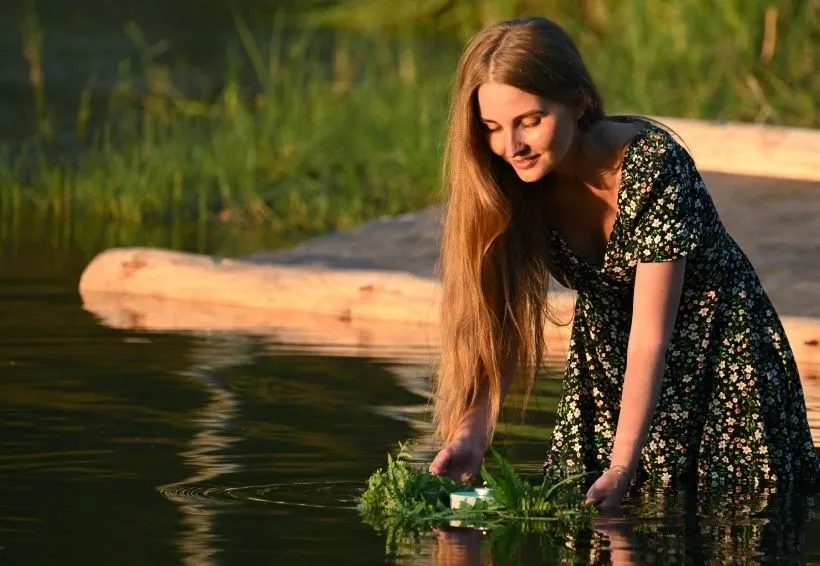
(524, 162)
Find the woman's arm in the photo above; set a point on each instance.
(655, 306)
(461, 457)
(477, 419)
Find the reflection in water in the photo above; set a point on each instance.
(69, 381)
(680, 529)
(416, 379)
(206, 452)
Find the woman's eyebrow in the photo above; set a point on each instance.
(519, 117)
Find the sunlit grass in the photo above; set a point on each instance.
(335, 129)
(753, 60)
(314, 147)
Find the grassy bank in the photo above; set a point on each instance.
(316, 141)
(305, 146)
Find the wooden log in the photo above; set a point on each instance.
(756, 150)
(158, 290)
(345, 294)
(364, 311)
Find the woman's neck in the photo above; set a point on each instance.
(594, 156)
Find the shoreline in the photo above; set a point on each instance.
(351, 287)
(379, 313)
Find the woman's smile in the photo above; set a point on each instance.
(524, 163)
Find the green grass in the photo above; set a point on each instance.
(331, 133)
(691, 58)
(315, 148)
(404, 501)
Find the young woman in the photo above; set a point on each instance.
(679, 370)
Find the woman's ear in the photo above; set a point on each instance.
(581, 117)
(580, 110)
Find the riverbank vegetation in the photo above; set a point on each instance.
(334, 117)
(403, 501)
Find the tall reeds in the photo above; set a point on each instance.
(335, 128)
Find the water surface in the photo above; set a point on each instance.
(135, 447)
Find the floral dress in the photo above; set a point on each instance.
(731, 410)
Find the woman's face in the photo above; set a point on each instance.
(531, 133)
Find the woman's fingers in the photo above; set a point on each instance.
(603, 503)
(457, 462)
(441, 462)
(594, 496)
(466, 477)
(451, 464)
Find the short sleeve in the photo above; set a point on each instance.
(668, 223)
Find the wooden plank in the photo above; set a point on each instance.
(757, 150)
(158, 290)
(349, 294)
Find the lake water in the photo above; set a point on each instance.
(132, 447)
(127, 447)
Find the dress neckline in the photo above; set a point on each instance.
(625, 162)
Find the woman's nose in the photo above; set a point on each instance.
(515, 146)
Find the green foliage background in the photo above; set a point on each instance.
(330, 115)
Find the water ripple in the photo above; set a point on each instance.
(317, 494)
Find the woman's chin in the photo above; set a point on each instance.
(532, 174)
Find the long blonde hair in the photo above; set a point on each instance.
(495, 255)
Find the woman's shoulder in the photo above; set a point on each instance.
(654, 151)
(655, 140)
(633, 142)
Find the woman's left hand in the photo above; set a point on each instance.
(608, 490)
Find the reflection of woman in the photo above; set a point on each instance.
(460, 547)
(470, 547)
(671, 322)
(739, 530)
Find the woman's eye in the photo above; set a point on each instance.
(530, 122)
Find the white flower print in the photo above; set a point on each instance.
(731, 403)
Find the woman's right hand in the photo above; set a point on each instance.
(461, 458)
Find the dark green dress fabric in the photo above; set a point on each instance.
(731, 410)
